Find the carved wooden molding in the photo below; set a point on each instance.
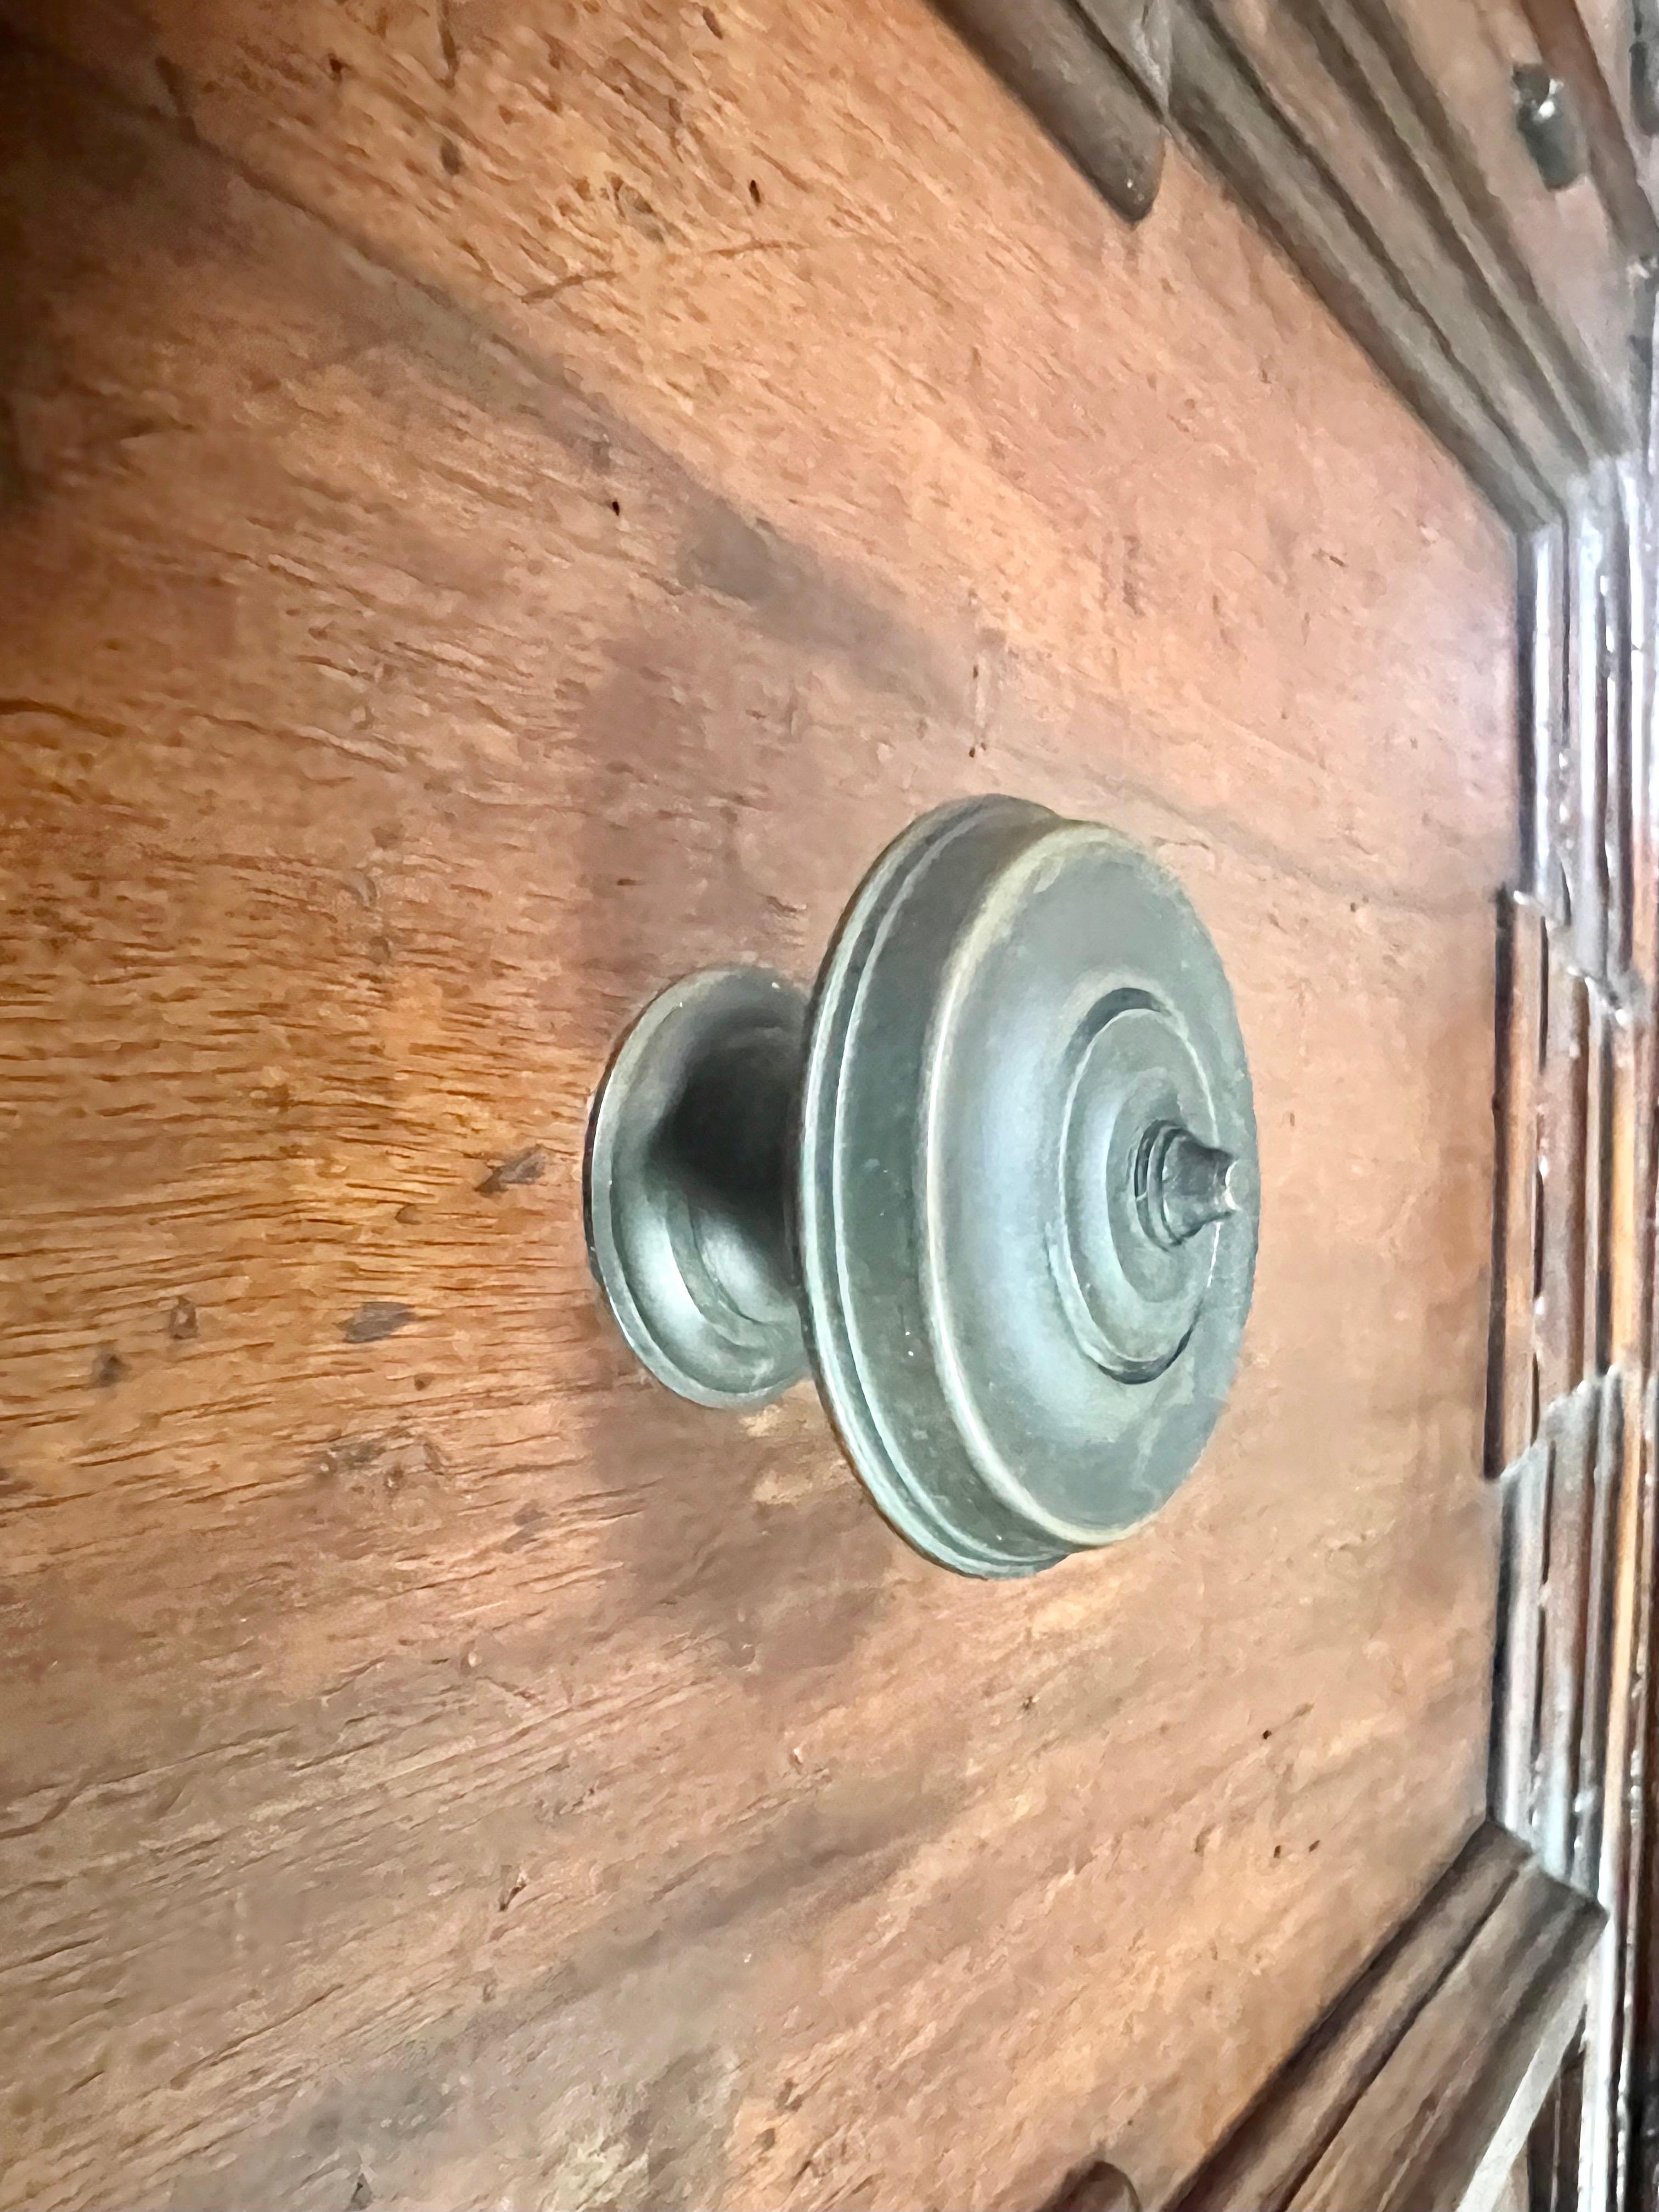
(1416, 2092)
(1325, 119)
(1094, 73)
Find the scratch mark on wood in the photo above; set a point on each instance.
(181, 1321)
(528, 1166)
(377, 1317)
(178, 91)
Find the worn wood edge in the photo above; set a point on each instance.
(1568, 1544)
(1284, 2133)
(1559, 1319)
(1611, 1701)
(1598, 1632)
(1574, 1726)
(1100, 2187)
(1597, 1309)
(1054, 56)
(1138, 32)
(1490, 2034)
(1540, 641)
(1587, 652)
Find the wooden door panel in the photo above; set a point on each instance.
(443, 1766)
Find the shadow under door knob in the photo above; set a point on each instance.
(996, 1182)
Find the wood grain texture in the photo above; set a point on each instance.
(1280, 165)
(445, 1768)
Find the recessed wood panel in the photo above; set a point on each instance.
(447, 594)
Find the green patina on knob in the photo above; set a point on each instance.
(995, 1183)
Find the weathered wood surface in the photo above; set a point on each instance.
(503, 505)
(1572, 1725)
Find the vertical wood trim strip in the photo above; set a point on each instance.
(1610, 1700)
(1587, 728)
(1520, 1642)
(1567, 1578)
(1600, 1627)
(1561, 1321)
(1597, 1110)
(1512, 1378)
(1540, 601)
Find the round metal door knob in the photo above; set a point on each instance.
(997, 1183)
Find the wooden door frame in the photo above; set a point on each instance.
(1516, 2006)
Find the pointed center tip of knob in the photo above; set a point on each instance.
(1190, 1185)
